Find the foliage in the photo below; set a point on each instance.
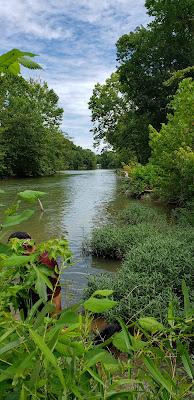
(141, 179)
(184, 216)
(11, 61)
(138, 213)
(49, 356)
(79, 158)
(31, 141)
(132, 227)
(172, 148)
(109, 159)
(30, 137)
(135, 95)
(107, 105)
(151, 273)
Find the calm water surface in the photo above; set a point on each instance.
(77, 201)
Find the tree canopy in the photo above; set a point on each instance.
(136, 95)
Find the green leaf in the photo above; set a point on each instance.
(28, 63)
(67, 318)
(31, 195)
(17, 219)
(10, 61)
(103, 293)
(164, 381)
(150, 324)
(99, 305)
(14, 68)
(186, 360)
(95, 376)
(41, 283)
(39, 342)
(119, 342)
(11, 345)
(2, 191)
(14, 260)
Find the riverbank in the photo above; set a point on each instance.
(156, 253)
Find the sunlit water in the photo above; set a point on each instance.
(77, 201)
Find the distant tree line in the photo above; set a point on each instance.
(31, 141)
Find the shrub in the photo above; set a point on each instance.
(141, 179)
(138, 213)
(150, 273)
(114, 242)
(184, 216)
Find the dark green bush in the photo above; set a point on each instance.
(114, 242)
(184, 216)
(138, 213)
(149, 275)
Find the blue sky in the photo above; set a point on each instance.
(76, 43)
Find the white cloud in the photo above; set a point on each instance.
(76, 40)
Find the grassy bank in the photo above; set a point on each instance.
(156, 255)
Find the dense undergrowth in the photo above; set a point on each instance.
(48, 356)
(156, 255)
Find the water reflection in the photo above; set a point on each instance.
(76, 202)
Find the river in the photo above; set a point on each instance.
(76, 202)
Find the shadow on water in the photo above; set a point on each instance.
(77, 201)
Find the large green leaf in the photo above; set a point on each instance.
(17, 219)
(42, 282)
(99, 305)
(150, 324)
(103, 293)
(14, 260)
(10, 62)
(31, 195)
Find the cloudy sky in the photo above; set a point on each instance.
(76, 43)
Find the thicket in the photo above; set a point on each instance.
(53, 356)
(156, 256)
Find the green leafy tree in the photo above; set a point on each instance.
(173, 147)
(109, 159)
(135, 96)
(30, 137)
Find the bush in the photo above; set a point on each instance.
(138, 213)
(141, 179)
(184, 216)
(114, 242)
(149, 275)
